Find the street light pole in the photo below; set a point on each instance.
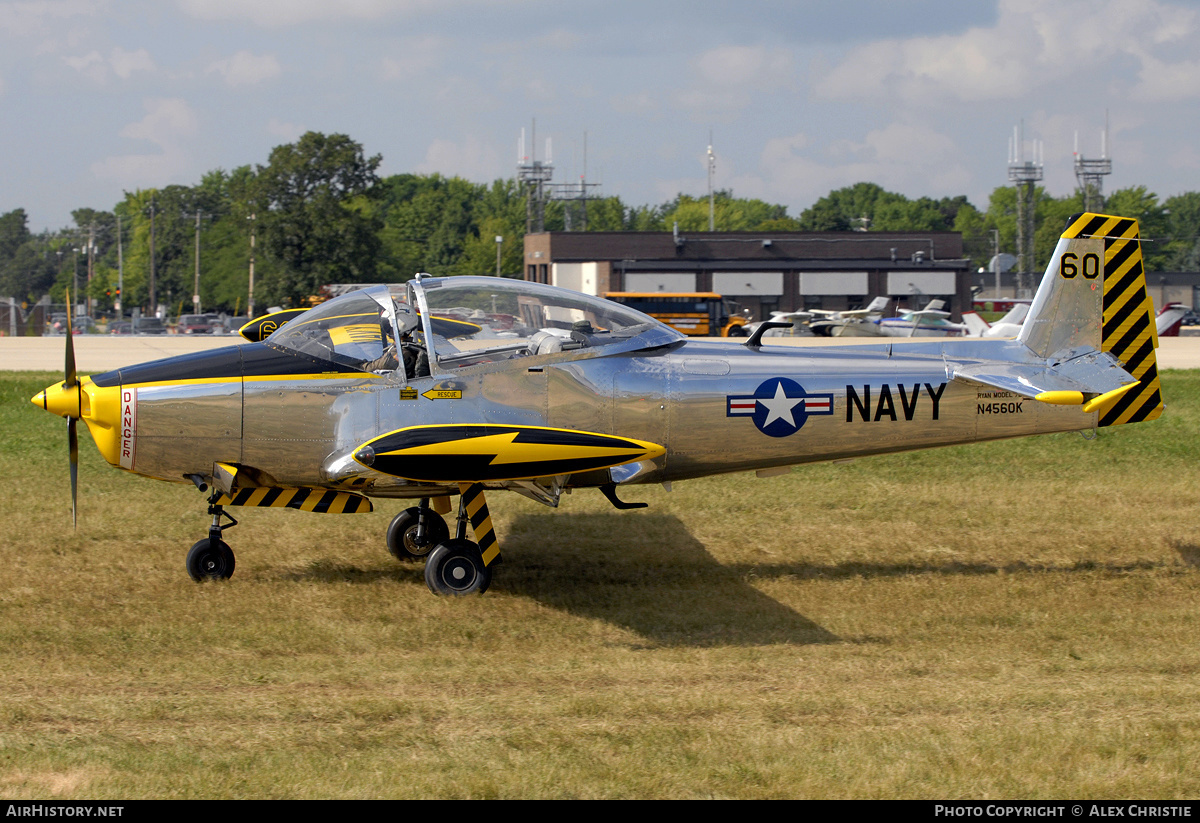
(196, 292)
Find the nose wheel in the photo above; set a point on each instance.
(211, 558)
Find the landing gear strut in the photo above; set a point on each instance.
(211, 558)
(457, 567)
(414, 532)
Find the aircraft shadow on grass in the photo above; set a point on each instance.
(649, 574)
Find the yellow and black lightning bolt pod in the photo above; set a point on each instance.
(321, 501)
(1094, 295)
(474, 505)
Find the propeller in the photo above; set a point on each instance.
(66, 400)
(71, 381)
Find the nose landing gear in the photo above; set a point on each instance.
(211, 558)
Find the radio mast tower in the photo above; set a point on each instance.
(1023, 174)
(534, 176)
(1090, 174)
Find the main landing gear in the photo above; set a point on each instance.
(454, 567)
(211, 558)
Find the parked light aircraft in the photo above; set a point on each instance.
(1170, 319)
(1007, 326)
(833, 323)
(464, 385)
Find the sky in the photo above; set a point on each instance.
(99, 97)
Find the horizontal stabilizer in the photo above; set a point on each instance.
(1088, 376)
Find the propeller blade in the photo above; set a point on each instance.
(69, 370)
(73, 444)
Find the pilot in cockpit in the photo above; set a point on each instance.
(416, 361)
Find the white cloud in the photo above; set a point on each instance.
(287, 131)
(906, 157)
(31, 19)
(414, 58)
(276, 14)
(473, 159)
(169, 124)
(246, 69)
(1032, 44)
(732, 78)
(123, 64)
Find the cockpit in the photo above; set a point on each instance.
(435, 325)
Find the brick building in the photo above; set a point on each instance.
(762, 271)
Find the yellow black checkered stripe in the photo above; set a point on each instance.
(481, 521)
(320, 501)
(1128, 330)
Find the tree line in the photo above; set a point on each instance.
(318, 212)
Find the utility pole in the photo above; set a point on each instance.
(250, 301)
(712, 167)
(91, 266)
(499, 241)
(120, 270)
(153, 291)
(196, 292)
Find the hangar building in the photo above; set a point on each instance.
(763, 271)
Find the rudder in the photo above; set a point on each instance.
(1100, 253)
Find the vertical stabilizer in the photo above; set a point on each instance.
(1093, 295)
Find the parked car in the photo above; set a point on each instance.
(83, 325)
(194, 324)
(149, 325)
(120, 327)
(230, 325)
(1192, 318)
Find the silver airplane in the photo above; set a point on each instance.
(464, 385)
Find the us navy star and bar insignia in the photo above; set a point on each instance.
(779, 407)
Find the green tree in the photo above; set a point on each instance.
(311, 221)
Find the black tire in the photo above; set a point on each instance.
(402, 534)
(738, 331)
(455, 569)
(208, 562)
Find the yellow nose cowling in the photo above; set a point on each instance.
(98, 406)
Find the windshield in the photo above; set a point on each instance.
(357, 330)
(483, 319)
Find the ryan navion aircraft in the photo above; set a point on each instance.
(464, 385)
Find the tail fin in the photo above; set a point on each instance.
(1093, 295)
(976, 325)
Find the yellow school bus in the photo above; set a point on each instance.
(696, 314)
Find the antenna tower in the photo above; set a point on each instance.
(1090, 173)
(535, 175)
(1023, 174)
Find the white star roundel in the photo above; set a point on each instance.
(779, 406)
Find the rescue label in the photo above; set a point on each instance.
(443, 394)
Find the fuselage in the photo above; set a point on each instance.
(716, 407)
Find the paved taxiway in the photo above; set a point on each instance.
(96, 353)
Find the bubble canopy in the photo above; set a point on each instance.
(472, 320)
(465, 321)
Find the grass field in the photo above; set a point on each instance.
(1012, 620)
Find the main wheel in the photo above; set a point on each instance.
(207, 561)
(455, 569)
(402, 534)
